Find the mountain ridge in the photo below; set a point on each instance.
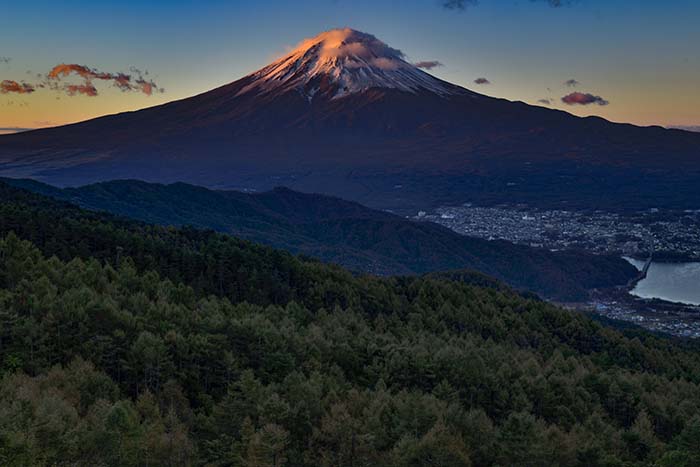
(347, 233)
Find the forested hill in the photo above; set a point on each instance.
(128, 344)
(349, 234)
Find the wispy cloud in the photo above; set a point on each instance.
(135, 81)
(86, 89)
(8, 86)
(122, 81)
(556, 3)
(5, 59)
(571, 83)
(458, 4)
(580, 98)
(545, 101)
(428, 64)
(482, 81)
(463, 4)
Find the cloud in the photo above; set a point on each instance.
(86, 89)
(556, 3)
(122, 81)
(482, 81)
(5, 59)
(348, 43)
(384, 63)
(545, 101)
(65, 69)
(428, 64)
(147, 87)
(457, 4)
(53, 80)
(579, 98)
(9, 86)
(571, 83)
(463, 4)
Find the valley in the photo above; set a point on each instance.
(570, 257)
(347, 233)
(671, 236)
(128, 344)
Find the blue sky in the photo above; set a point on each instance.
(641, 57)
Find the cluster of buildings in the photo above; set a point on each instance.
(671, 236)
(635, 234)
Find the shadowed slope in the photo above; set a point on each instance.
(348, 234)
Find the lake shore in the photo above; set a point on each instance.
(654, 314)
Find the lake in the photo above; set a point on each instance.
(675, 282)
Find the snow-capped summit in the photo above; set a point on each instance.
(341, 62)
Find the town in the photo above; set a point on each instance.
(671, 236)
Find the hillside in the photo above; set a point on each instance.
(348, 234)
(146, 345)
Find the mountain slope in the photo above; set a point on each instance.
(347, 115)
(348, 234)
(128, 344)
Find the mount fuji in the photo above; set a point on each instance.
(347, 115)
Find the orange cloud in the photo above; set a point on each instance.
(122, 81)
(9, 86)
(580, 98)
(66, 69)
(84, 89)
(147, 87)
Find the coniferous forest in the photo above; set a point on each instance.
(349, 234)
(127, 344)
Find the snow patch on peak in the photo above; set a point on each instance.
(341, 62)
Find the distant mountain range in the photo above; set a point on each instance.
(10, 130)
(347, 233)
(347, 115)
(695, 128)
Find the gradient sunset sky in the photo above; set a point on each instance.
(640, 57)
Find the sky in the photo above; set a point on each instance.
(627, 61)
